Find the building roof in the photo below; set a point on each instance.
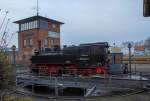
(37, 18)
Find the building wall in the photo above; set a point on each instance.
(37, 37)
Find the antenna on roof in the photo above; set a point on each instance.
(37, 7)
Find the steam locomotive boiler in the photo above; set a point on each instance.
(85, 59)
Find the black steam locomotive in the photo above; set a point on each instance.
(85, 59)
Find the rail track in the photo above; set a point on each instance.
(119, 97)
(61, 98)
(79, 98)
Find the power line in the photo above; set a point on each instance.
(2, 39)
(11, 37)
(3, 20)
(9, 40)
(5, 39)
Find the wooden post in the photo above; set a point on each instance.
(14, 55)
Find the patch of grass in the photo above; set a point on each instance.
(17, 99)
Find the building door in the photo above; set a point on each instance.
(39, 45)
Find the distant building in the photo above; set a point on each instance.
(139, 50)
(37, 33)
(147, 47)
(125, 51)
(115, 49)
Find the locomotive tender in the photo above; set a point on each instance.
(85, 59)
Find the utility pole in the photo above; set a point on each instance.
(129, 46)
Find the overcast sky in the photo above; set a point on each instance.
(86, 20)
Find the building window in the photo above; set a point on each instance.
(30, 42)
(35, 24)
(52, 41)
(29, 25)
(46, 42)
(53, 25)
(25, 43)
(53, 34)
(43, 24)
(23, 28)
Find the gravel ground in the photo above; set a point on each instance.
(137, 97)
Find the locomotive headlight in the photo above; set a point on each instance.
(67, 61)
